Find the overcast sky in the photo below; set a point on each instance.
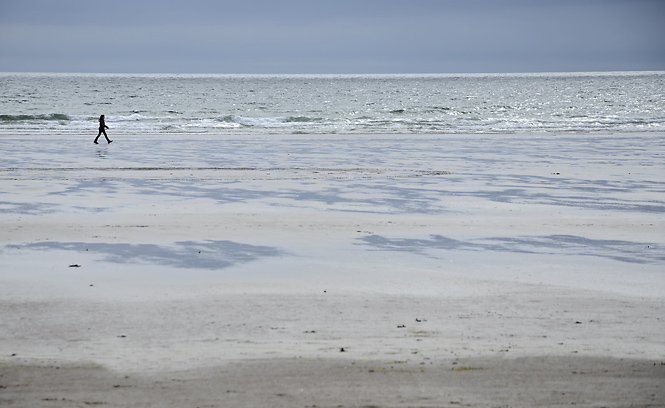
(331, 36)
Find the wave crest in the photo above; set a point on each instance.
(26, 118)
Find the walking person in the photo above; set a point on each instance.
(102, 129)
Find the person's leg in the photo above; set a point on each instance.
(98, 134)
(107, 138)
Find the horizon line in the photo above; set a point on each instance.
(336, 74)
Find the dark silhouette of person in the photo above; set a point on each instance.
(102, 129)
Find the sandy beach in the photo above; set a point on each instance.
(333, 271)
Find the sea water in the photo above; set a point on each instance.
(152, 104)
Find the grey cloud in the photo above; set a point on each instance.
(331, 37)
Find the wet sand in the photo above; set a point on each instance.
(497, 270)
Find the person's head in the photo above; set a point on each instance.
(101, 117)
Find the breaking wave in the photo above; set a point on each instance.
(27, 118)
